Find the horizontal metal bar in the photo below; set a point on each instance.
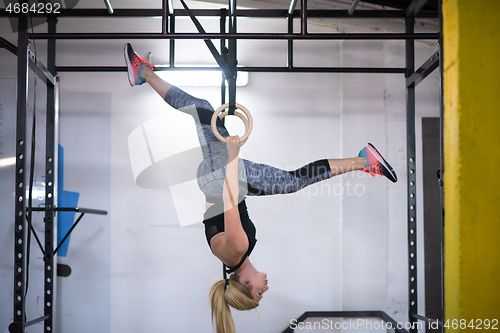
(427, 68)
(73, 209)
(347, 314)
(243, 69)
(324, 70)
(341, 314)
(427, 319)
(89, 211)
(276, 36)
(397, 326)
(92, 68)
(36, 321)
(263, 13)
(8, 46)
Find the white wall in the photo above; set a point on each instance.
(84, 133)
(325, 248)
(375, 224)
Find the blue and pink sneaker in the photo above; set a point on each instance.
(376, 164)
(135, 65)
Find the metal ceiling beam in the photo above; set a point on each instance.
(401, 4)
(379, 70)
(256, 36)
(258, 13)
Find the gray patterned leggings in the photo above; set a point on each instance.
(254, 178)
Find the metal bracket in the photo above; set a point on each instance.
(427, 68)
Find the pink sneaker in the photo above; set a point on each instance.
(135, 64)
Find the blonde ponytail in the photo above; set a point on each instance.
(237, 295)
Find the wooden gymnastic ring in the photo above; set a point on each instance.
(248, 121)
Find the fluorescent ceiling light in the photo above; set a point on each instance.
(202, 78)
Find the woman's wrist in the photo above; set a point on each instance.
(232, 157)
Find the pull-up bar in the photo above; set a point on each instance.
(73, 209)
(83, 211)
(17, 328)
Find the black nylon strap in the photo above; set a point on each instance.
(224, 274)
(230, 75)
(232, 96)
(218, 58)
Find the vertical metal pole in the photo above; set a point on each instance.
(232, 30)
(441, 136)
(50, 138)
(411, 171)
(224, 54)
(164, 17)
(233, 63)
(303, 17)
(172, 42)
(20, 205)
(290, 42)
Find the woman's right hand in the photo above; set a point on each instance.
(233, 145)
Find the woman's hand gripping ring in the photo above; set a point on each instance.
(248, 121)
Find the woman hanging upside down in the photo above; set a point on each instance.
(226, 180)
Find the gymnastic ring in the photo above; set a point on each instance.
(248, 121)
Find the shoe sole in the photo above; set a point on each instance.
(130, 69)
(384, 163)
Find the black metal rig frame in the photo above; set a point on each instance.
(168, 14)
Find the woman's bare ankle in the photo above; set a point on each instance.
(146, 72)
(359, 163)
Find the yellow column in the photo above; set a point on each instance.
(471, 31)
